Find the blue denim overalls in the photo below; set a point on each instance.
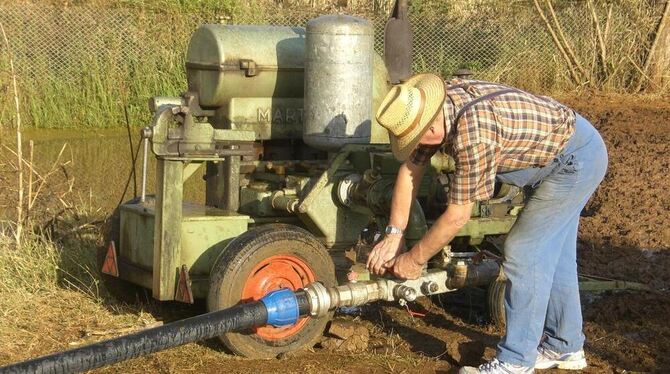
(542, 294)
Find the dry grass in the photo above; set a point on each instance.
(34, 324)
(51, 294)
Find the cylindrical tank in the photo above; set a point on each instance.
(338, 81)
(228, 61)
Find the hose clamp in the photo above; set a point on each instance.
(319, 299)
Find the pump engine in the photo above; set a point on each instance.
(298, 177)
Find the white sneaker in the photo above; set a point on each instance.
(548, 359)
(496, 367)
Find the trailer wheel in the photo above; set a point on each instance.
(263, 259)
(495, 299)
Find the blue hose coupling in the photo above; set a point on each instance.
(282, 307)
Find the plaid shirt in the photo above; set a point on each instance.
(516, 130)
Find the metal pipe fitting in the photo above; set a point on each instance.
(429, 287)
(464, 274)
(324, 299)
(404, 293)
(374, 192)
(281, 201)
(359, 293)
(319, 299)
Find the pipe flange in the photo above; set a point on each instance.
(319, 299)
(344, 188)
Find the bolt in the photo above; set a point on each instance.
(429, 287)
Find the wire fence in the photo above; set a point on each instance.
(76, 53)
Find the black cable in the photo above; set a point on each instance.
(130, 143)
(132, 172)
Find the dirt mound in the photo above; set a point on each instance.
(630, 330)
(625, 228)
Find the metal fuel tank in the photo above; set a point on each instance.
(240, 61)
(338, 81)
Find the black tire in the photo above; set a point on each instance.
(232, 272)
(495, 300)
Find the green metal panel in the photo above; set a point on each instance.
(137, 234)
(320, 211)
(204, 233)
(267, 117)
(234, 135)
(136, 243)
(167, 238)
(477, 228)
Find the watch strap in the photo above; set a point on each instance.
(393, 230)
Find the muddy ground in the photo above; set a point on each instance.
(624, 234)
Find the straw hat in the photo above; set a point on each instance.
(408, 110)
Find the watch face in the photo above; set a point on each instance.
(388, 230)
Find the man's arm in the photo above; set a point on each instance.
(410, 265)
(474, 180)
(404, 192)
(442, 232)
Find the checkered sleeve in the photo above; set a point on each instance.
(422, 154)
(474, 179)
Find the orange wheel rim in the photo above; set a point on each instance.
(273, 273)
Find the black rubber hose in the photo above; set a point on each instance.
(205, 326)
(304, 305)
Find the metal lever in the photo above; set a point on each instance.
(146, 134)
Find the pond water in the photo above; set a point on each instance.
(100, 162)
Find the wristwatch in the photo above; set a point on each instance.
(392, 230)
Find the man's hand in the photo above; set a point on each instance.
(406, 266)
(385, 251)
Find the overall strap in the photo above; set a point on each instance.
(481, 98)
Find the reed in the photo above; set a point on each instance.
(84, 84)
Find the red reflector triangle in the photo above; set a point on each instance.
(183, 292)
(110, 266)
